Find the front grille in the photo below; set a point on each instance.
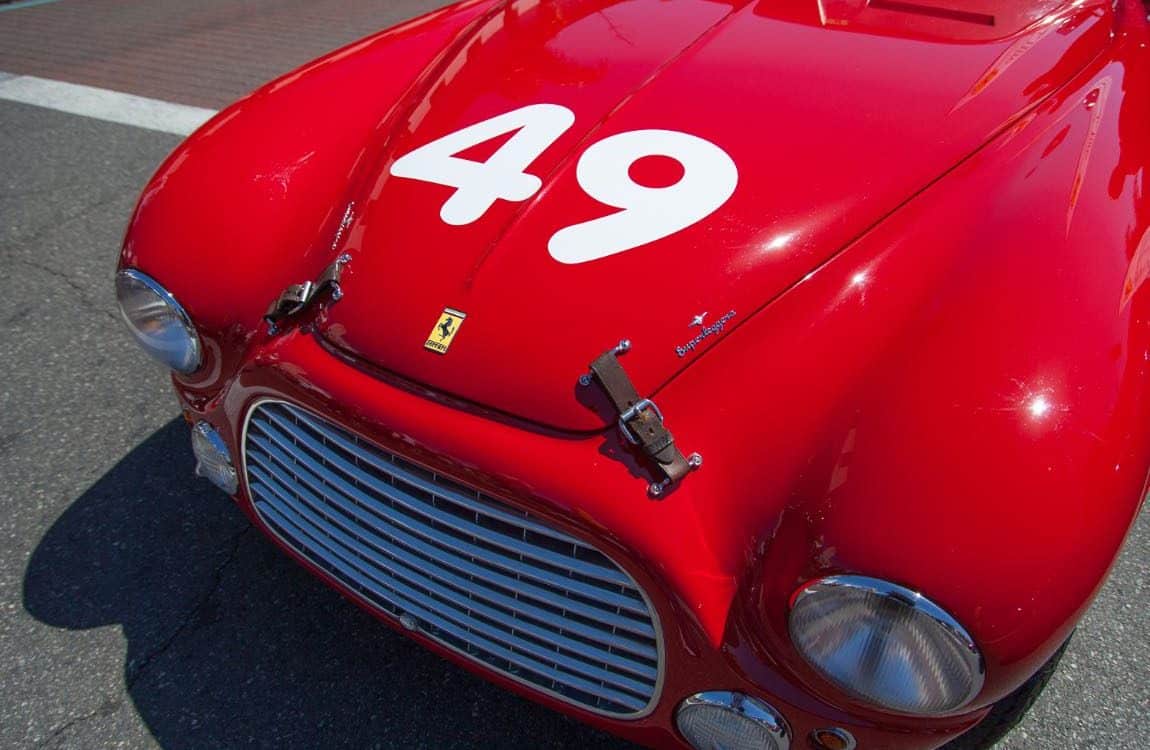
(484, 579)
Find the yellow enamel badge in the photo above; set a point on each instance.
(441, 336)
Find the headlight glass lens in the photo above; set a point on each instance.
(731, 721)
(886, 645)
(157, 321)
(213, 461)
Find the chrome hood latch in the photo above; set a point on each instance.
(299, 297)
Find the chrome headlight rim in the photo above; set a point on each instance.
(194, 345)
(922, 605)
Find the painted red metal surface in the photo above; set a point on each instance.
(936, 373)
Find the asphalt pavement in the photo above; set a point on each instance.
(138, 609)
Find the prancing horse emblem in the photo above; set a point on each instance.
(441, 336)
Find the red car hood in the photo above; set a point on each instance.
(834, 114)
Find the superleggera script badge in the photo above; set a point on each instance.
(711, 330)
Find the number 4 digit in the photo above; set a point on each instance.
(503, 176)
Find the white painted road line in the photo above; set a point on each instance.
(103, 104)
(24, 4)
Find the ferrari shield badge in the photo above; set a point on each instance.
(441, 336)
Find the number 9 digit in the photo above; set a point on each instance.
(648, 213)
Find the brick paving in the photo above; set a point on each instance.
(205, 53)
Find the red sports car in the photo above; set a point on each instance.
(725, 374)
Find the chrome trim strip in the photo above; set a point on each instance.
(502, 601)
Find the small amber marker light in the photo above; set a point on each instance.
(832, 739)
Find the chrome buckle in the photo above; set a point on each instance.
(633, 412)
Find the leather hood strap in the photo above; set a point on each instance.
(640, 421)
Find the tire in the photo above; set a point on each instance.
(1006, 714)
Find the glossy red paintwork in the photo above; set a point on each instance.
(936, 253)
(787, 215)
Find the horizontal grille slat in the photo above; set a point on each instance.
(455, 611)
(455, 496)
(411, 605)
(379, 561)
(341, 487)
(481, 577)
(383, 531)
(319, 451)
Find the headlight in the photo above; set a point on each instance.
(157, 321)
(731, 721)
(886, 645)
(213, 461)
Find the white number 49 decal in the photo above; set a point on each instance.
(646, 213)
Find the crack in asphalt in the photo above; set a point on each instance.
(7, 441)
(80, 289)
(107, 708)
(137, 667)
(85, 210)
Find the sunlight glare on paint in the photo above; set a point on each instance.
(779, 241)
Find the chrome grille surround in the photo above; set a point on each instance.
(478, 576)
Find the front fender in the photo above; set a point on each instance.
(957, 402)
(252, 201)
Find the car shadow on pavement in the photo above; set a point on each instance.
(230, 643)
